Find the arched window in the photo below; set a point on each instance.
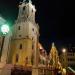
(24, 8)
(32, 29)
(32, 10)
(32, 46)
(20, 46)
(19, 35)
(17, 57)
(19, 27)
(26, 61)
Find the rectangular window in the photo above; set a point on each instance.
(17, 56)
(26, 60)
(32, 38)
(32, 46)
(20, 46)
(19, 28)
(32, 29)
(19, 35)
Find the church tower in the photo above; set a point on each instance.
(24, 44)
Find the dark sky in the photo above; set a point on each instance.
(55, 18)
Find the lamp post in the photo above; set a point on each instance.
(64, 60)
(4, 29)
(64, 56)
(64, 50)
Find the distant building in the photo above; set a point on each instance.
(71, 57)
(68, 57)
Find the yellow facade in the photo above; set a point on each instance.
(24, 53)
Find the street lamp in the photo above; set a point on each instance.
(4, 29)
(64, 50)
(64, 57)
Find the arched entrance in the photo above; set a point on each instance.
(21, 71)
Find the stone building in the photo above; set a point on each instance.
(68, 57)
(21, 48)
(25, 35)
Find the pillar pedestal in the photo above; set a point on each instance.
(35, 71)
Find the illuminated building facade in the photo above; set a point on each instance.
(68, 57)
(24, 48)
(24, 43)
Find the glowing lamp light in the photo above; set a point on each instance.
(64, 71)
(64, 50)
(4, 29)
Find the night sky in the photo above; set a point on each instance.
(55, 19)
